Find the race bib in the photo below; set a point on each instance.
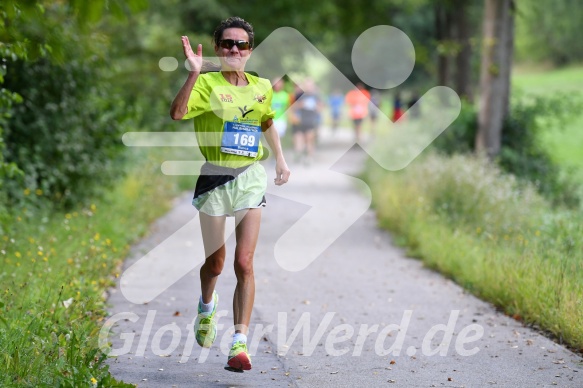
(240, 139)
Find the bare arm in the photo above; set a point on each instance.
(282, 172)
(180, 104)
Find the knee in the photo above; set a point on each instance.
(212, 268)
(244, 265)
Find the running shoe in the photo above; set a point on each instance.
(205, 327)
(239, 359)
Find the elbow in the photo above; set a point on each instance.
(266, 125)
(176, 115)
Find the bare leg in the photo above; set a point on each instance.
(310, 142)
(299, 143)
(213, 237)
(357, 132)
(247, 232)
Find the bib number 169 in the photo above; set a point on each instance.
(244, 139)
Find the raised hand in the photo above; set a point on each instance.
(194, 60)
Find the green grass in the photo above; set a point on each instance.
(56, 267)
(564, 143)
(495, 237)
(566, 146)
(548, 81)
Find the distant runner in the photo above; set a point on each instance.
(358, 100)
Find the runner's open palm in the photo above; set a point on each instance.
(194, 60)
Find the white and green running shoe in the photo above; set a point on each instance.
(205, 327)
(239, 359)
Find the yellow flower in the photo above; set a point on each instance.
(68, 216)
(38, 192)
(93, 380)
(17, 254)
(96, 237)
(31, 240)
(93, 207)
(26, 191)
(537, 233)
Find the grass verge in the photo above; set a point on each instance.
(56, 267)
(495, 237)
(564, 143)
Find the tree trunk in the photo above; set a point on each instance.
(463, 74)
(509, 50)
(442, 28)
(497, 47)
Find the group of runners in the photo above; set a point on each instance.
(302, 110)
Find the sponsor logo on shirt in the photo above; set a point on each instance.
(226, 97)
(260, 98)
(244, 111)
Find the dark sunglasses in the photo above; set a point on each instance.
(229, 43)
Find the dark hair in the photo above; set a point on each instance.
(233, 22)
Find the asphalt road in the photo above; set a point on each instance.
(337, 304)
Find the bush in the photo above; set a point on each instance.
(66, 135)
(522, 152)
(460, 136)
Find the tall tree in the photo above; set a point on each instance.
(463, 59)
(453, 33)
(443, 36)
(497, 53)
